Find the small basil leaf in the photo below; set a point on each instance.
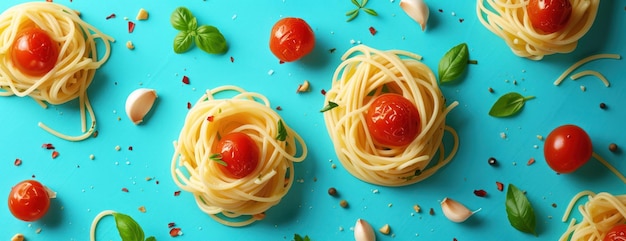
(182, 42)
(363, 3)
(356, 3)
(127, 227)
(331, 105)
(353, 16)
(508, 104)
(453, 63)
(282, 131)
(180, 18)
(210, 40)
(151, 238)
(370, 11)
(351, 12)
(520, 213)
(192, 24)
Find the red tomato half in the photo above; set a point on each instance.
(240, 153)
(29, 200)
(291, 39)
(617, 233)
(567, 148)
(393, 120)
(549, 16)
(34, 52)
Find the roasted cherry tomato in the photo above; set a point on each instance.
(291, 39)
(29, 200)
(567, 148)
(240, 154)
(617, 233)
(549, 16)
(34, 52)
(393, 120)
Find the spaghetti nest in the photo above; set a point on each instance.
(600, 213)
(232, 201)
(366, 73)
(76, 64)
(509, 20)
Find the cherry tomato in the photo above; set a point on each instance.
(34, 52)
(29, 200)
(393, 120)
(291, 39)
(567, 148)
(240, 153)
(617, 233)
(549, 16)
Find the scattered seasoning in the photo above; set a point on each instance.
(124, 189)
(232, 60)
(95, 134)
(279, 108)
(188, 105)
(118, 148)
(613, 147)
(500, 186)
(130, 45)
(175, 232)
(185, 80)
(602, 105)
(490, 90)
(171, 224)
(55, 154)
(304, 87)
(176, 193)
(480, 193)
(343, 203)
(472, 61)
(385, 229)
(332, 191)
(131, 26)
(372, 31)
(130, 148)
(461, 20)
(530, 161)
(110, 16)
(17, 162)
(48, 146)
(431, 211)
(492, 161)
(142, 209)
(554, 205)
(323, 91)
(210, 118)
(332, 50)
(142, 14)
(18, 237)
(441, 10)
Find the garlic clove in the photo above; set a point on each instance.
(139, 103)
(50, 192)
(455, 211)
(363, 231)
(417, 10)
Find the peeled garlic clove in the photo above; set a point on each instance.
(417, 10)
(455, 211)
(139, 103)
(363, 231)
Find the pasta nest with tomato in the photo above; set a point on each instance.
(71, 39)
(532, 30)
(365, 76)
(201, 161)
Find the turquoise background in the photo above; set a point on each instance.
(85, 187)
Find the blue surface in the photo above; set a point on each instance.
(85, 187)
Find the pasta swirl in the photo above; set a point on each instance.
(600, 213)
(366, 73)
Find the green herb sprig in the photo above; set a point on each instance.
(508, 104)
(331, 105)
(282, 131)
(355, 12)
(206, 37)
(519, 211)
(218, 158)
(297, 237)
(453, 63)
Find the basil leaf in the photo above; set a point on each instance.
(297, 237)
(352, 12)
(363, 3)
(453, 63)
(370, 11)
(182, 42)
(282, 131)
(210, 40)
(331, 105)
(356, 3)
(151, 238)
(127, 227)
(508, 104)
(180, 19)
(353, 16)
(519, 211)
(218, 158)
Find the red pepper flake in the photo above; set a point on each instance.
(175, 232)
(210, 118)
(373, 31)
(188, 105)
(480, 193)
(171, 225)
(110, 16)
(454, 239)
(130, 148)
(281, 62)
(17, 162)
(55, 154)
(185, 80)
(232, 60)
(131, 26)
(530, 161)
(49, 1)
(279, 108)
(124, 189)
(95, 134)
(323, 92)
(176, 193)
(500, 186)
(48, 146)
